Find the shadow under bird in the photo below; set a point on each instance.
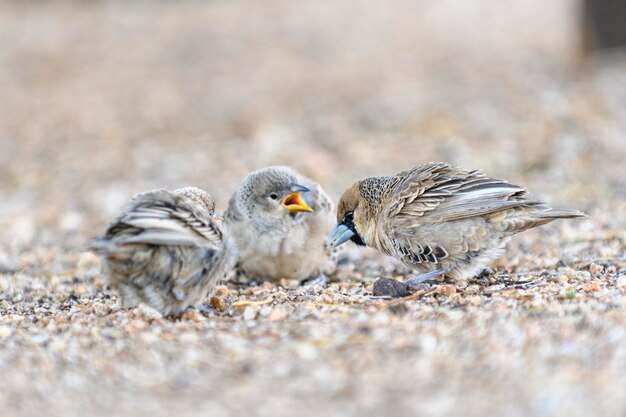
(439, 219)
(166, 250)
(280, 220)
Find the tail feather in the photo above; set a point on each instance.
(101, 246)
(519, 220)
(559, 214)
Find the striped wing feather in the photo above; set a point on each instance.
(165, 221)
(437, 192)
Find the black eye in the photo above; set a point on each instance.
(274, 196)
(349, 217)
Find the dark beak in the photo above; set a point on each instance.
(340, 234)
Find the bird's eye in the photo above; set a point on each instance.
(349, 216)
(274, 196)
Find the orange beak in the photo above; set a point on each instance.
(294, 203)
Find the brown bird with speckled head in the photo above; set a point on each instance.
(166, 250)
(438, 218)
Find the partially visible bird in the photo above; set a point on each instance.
(280, 221)
(166, 250)
(439, 219)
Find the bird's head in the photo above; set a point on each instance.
(198, 198)
(351, 212)
(273, 194)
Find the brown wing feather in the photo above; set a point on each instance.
(162, 218)
(437, 192)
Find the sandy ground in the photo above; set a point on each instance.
(101, 100)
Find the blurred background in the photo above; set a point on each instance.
(100, 100)
(104, 99)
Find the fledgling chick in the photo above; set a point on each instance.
(166, 250)
(279, 220)
(438, 218)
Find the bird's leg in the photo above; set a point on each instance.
(204, 309)
(318, 280)
(412, 282)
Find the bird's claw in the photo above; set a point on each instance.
(204, 308)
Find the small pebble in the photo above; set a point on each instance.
(266, 311)
(278, 313)
(217, 303)
(249, 313)
(328, 299)
(222, 291)
(472, 289)
(192, 314)
(144, 311)
(390, 288)
(595, 268)
(446, 290)
(476, 300)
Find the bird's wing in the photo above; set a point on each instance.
(232, 213)
(165, 219)
(438, 192)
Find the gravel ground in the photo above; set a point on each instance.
(101, 100)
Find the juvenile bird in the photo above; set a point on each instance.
(279, 220)
(438, 218)
(166, 250)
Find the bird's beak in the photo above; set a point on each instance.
(217, 216)
(298, 187)
(340, 234)
(294, 203)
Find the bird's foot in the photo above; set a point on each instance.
(486, 272)
(487, 276)
(387, 287)
(425, 278)
(204, 308)
(318, 280)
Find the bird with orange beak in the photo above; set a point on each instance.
(280, 220)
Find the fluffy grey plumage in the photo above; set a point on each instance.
(439, 217)
(280, 220)
(166, 250)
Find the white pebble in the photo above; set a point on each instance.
(249, 313)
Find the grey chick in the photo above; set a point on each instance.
(279, 220)
(166, 250)
(439, 219)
